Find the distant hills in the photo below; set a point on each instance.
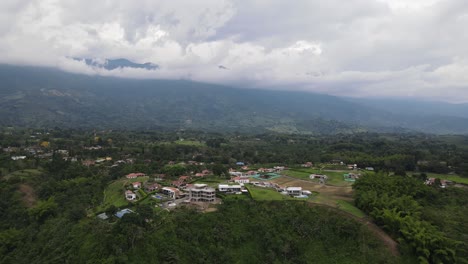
(45, 97)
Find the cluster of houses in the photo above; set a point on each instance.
(432, 181)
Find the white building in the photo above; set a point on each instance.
(18, 157)
(229, 188)
(241, 180)
(129, 195)
(294, 190)
(202, 193)
(171, 192)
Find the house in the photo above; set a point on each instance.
(88, 162)
(240, 180)
(134, 175)
(294, 190)
(177, 183)
(431, 181)
(235, 173)
(152, 187)
(229, 188)
(123, 212)
(173, 193)
(352, 166)
(18, 157)
(129, 195)
(202, 193)
(207, 172)
(318, 176)
(245, 168)
(279, 168)
(136, 185)
(199, 174)
(307, 165)
(184, 178)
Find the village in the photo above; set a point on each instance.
(195, 183)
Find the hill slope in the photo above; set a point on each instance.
(31, 96)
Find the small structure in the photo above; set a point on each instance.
(129, 195)
(318, 176)
(229, 188)
(240, 180)
(102, 216)
(294, 191)
(134, 175)
(136, 185)
(350, 177)
(431, 181)
(18, 157)
(123, 212)
(279, 168)
(88, 163)
(240, 163)
(202, 193)
(370, 168)
(207, 172)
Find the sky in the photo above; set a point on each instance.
(359, 48)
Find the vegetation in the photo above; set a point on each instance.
(49, 199)
(426, 220)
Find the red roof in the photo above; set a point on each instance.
(135, 175)
(183, 178)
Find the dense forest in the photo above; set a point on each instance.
(427, 220)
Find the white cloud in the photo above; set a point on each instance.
(356, 47)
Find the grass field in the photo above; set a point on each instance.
(335, 178)
(266, 194)
(24, 174)
(350, 208)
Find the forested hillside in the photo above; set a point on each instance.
(44, 97)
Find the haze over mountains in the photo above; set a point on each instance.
(46, 97)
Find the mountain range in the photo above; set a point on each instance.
(47, 97)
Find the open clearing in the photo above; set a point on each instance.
(335, 178)
(29, 197)
(24, 174)
(114, 193)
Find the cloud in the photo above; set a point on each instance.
(413, 48)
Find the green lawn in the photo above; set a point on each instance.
(266, 194)
(334, 177)
(24, 174)
(350, 208)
